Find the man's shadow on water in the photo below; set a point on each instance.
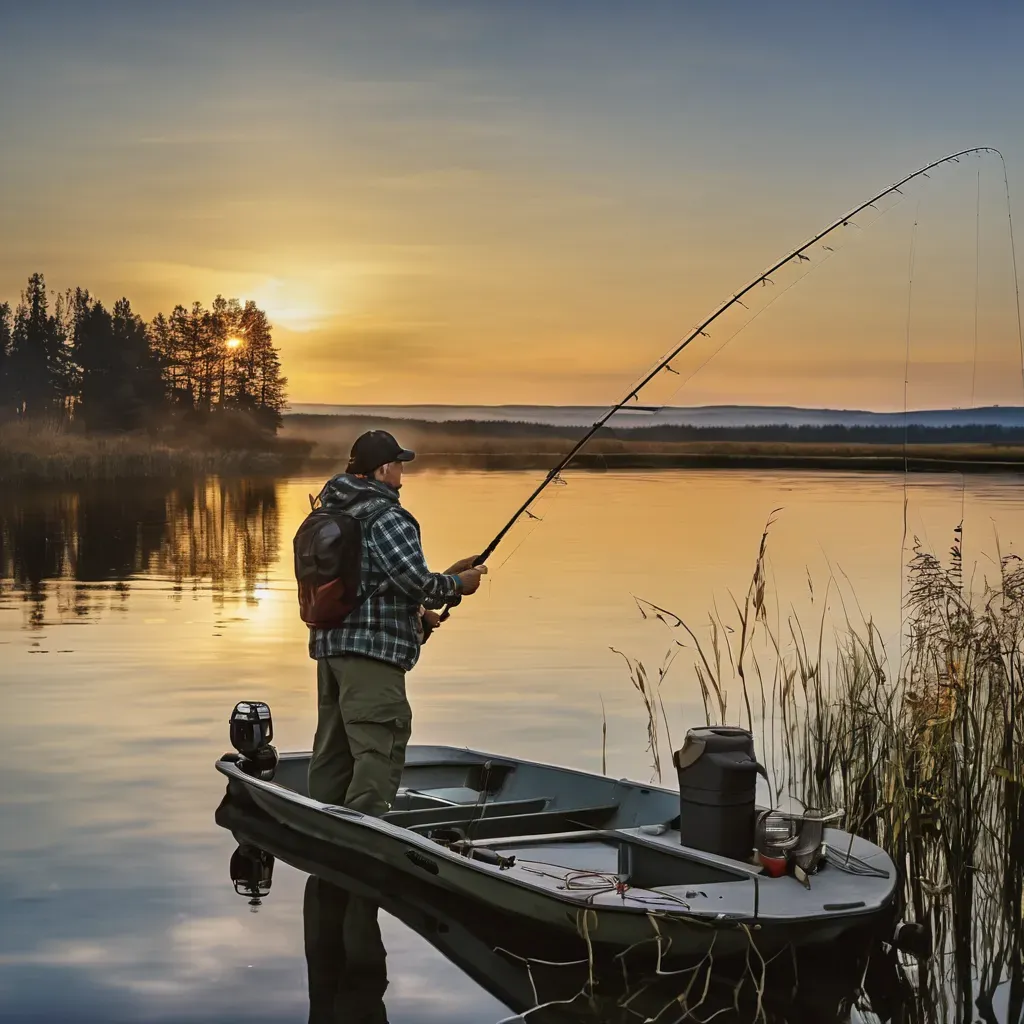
(345, 956)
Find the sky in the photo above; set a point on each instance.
(477, 203)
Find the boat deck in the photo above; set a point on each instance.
(591, 840)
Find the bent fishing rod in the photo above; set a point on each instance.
(798, 255)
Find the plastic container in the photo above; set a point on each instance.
(717, 783)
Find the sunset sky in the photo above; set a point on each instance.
(529, 202)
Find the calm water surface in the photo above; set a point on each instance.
(132, 618)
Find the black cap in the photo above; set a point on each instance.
(374, 448)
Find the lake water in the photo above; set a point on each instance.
(134, 616)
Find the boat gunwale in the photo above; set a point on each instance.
(668, 905)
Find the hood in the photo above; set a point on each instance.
(356, 494)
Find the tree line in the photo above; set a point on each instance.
(68, 357)
(816, 433)
(835, 433)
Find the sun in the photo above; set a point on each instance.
(233, 342)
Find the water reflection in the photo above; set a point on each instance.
(347, 962)
(163, 604)
(539, 978)
(221, 533)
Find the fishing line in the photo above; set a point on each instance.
(537, 520)
(974, 361)
(799, 255)
(906, 384)
(1013, 258)
(777, 295)
(977, 273)
(1020, 335)
(739, 330)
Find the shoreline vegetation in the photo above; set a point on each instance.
(91, 392)
(40, 453)
(922, 748)
(88, 391)
(48, 451)
(475, 444)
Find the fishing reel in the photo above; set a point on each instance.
(252, 872)
(251, 730)
(786, 841)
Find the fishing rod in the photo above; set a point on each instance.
(798, 255)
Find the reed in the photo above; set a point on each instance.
(48, 453)
(926, 758)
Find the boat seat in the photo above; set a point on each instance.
(457, 814)
(449, 794)
(407, 799)
(524, 823)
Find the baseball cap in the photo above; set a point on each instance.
(372, 449)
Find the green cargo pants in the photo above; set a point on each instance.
(363, 727)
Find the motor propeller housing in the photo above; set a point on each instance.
(251, 729)
(252, 873)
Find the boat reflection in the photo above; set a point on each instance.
(537, 977)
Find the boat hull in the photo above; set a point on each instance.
(586, 983)
(666, 928)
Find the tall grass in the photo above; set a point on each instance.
(48, 453)
(926, 758)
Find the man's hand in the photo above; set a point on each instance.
(429, 621)
(471, 579)
(461, 566)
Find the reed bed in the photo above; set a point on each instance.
(47, 453)
(926, 758)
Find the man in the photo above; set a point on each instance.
(363, 717)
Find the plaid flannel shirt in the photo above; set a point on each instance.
(386, 626)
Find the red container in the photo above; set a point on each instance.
(775, 866)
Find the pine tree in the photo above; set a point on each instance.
(254, 332)
(163, 341)
(138, 367)
(255, 383)
(6, 399)
(109, 370)
(225, 328)
(179, 359)
(270, 386)
(202, 356)
(35, 356)
(94, 357)
(64, 375)
(121, 387)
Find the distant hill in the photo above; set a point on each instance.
(675, 416)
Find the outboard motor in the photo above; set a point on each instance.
(252, 729)
(717, 782)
